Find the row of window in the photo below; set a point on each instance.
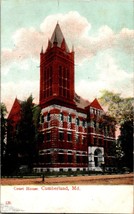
(62, 159)
(69, 119)
(61, 170)
(98, 142)
(69, 137)
(63, 73)
(95, 111)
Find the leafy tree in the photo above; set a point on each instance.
(22, 137)
(27, 132)
(117, 106)
(122, 110)
(126, 139)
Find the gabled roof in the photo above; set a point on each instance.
(58, 37)
(15, 108)
(95, 104)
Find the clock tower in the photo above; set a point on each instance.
(57, 72)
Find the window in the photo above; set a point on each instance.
(77, 121)
(61, 117)
(85, 159)
(61, 158)
(48, 136)
(95, 125)
(63, 82)
(100, 125)
(69, 136)
(47, 81)
(95, 141)
(77, 138)
(78, 157)
(48, 158)
(70, 157)
(69, 118)
(83, 123)
(61, 135)
(83, 139)
(91, 110)
(100, 142)
(48, 117)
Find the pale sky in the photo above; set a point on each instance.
(101, 32)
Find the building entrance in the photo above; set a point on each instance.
(97, 157)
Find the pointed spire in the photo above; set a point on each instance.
(57, 37)
(72, 48)
(49, 45)
(55, 42)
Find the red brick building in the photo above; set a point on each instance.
(77, 135)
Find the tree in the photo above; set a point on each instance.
(3, 129)
(122, 110)
(27, 131)
(117, 106)
(22, 137)
(126, 139)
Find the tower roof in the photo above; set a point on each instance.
(95, 104)
(58, 37)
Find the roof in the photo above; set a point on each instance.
(95, 104)
(58, 37)
(80, 102)
(15, 108)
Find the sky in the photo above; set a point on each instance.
(100, 31)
